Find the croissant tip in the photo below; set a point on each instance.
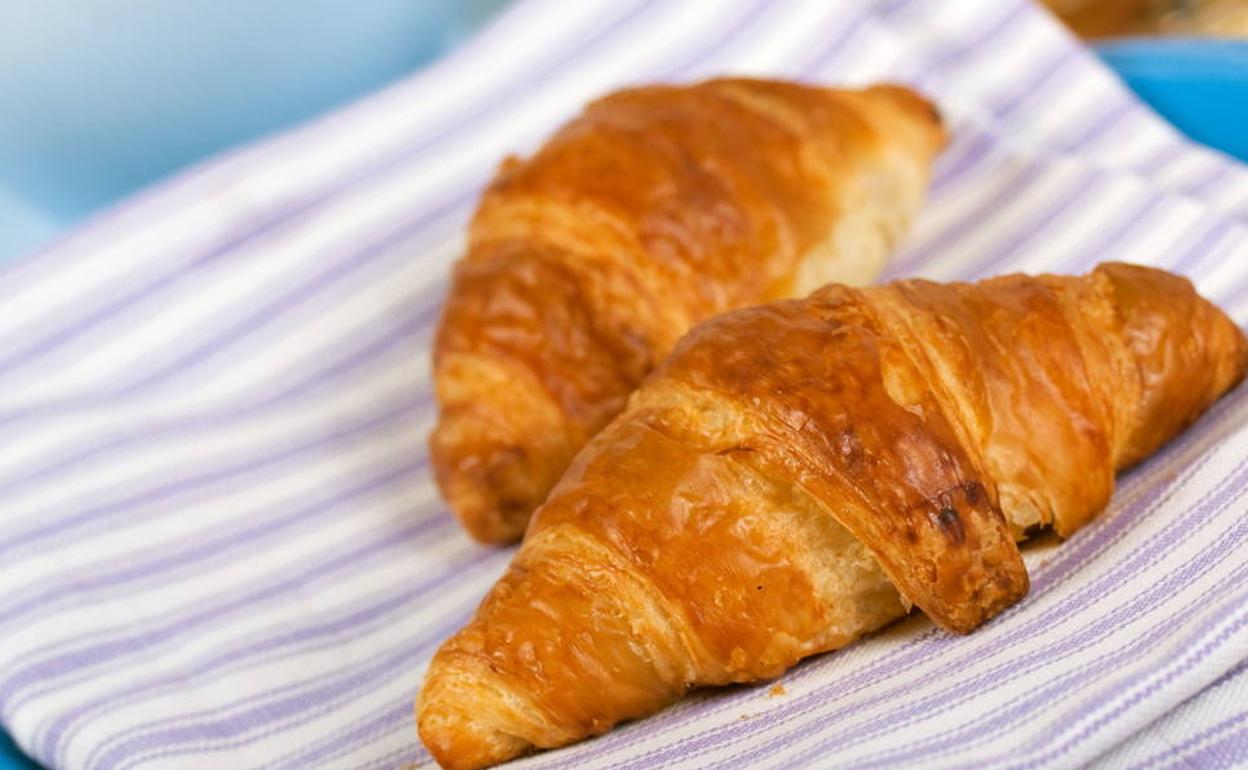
(490, 486)
(916, 105)
(1224, 336)
(489, 515)
(457, 741)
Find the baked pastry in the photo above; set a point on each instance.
(654, 209)
(798, 474)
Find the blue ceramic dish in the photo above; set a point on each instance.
(1201, 86)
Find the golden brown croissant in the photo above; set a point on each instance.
(796, 475)
(655, 208)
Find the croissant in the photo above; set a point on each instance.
(798, 474)
(654, 209)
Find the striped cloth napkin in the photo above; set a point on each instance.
(221, 546)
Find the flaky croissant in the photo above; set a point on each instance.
(654, 209)
(796, 475)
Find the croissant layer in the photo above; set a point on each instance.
(797, 474)
(654, 209)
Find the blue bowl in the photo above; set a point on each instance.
(1200, 86)
(11, 758)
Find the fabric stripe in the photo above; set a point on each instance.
(1195, 734)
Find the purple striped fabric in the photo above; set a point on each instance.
(1209, 730)
(221, 543)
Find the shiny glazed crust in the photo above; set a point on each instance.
(654, 209)
(798, 474)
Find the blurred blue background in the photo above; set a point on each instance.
(99, 98)
(103, 97)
